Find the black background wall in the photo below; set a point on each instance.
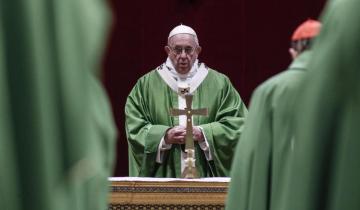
(248, 40)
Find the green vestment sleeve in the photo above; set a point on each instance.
(143, 136)
(102, 151)
(147, 119)
(8, 174)
(224, 132)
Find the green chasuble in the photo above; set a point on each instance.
(8, 170)
(325, 171)
(263, 151)
(103, 136)
(148, 118)
(56, 130)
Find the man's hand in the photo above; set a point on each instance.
(197, 134)
(175, 135)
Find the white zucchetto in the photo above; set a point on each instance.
(182, 29)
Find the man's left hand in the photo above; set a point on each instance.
(198, 134)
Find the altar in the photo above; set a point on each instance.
(128, 193)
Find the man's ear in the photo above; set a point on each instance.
(293, 53)
(167, 49)
(198, 50)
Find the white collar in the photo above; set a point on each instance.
(179, 76)
(174, 83)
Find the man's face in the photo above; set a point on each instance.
(183, 51)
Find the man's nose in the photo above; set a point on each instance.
(183, 53)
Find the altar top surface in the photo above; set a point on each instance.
(168, 193)
(149, 179)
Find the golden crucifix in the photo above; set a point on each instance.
(190, 169)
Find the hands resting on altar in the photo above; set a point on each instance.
(177, 134)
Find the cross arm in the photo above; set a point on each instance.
(177, 112)
(203, 111)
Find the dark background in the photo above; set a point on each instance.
(247, 40)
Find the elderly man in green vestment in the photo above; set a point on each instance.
(155, 138)
(325, 172)
(262, 154)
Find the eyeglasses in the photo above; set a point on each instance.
(179, 50)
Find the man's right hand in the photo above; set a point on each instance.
(175, 135)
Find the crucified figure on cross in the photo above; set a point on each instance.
(190, 167)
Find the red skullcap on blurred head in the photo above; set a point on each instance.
(307, 30)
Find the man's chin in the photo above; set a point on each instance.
(183, 69)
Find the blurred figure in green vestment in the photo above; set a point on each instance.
(56, 129)
(263, 153)
(325, 170)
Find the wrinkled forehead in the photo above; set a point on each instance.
(182, 40)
